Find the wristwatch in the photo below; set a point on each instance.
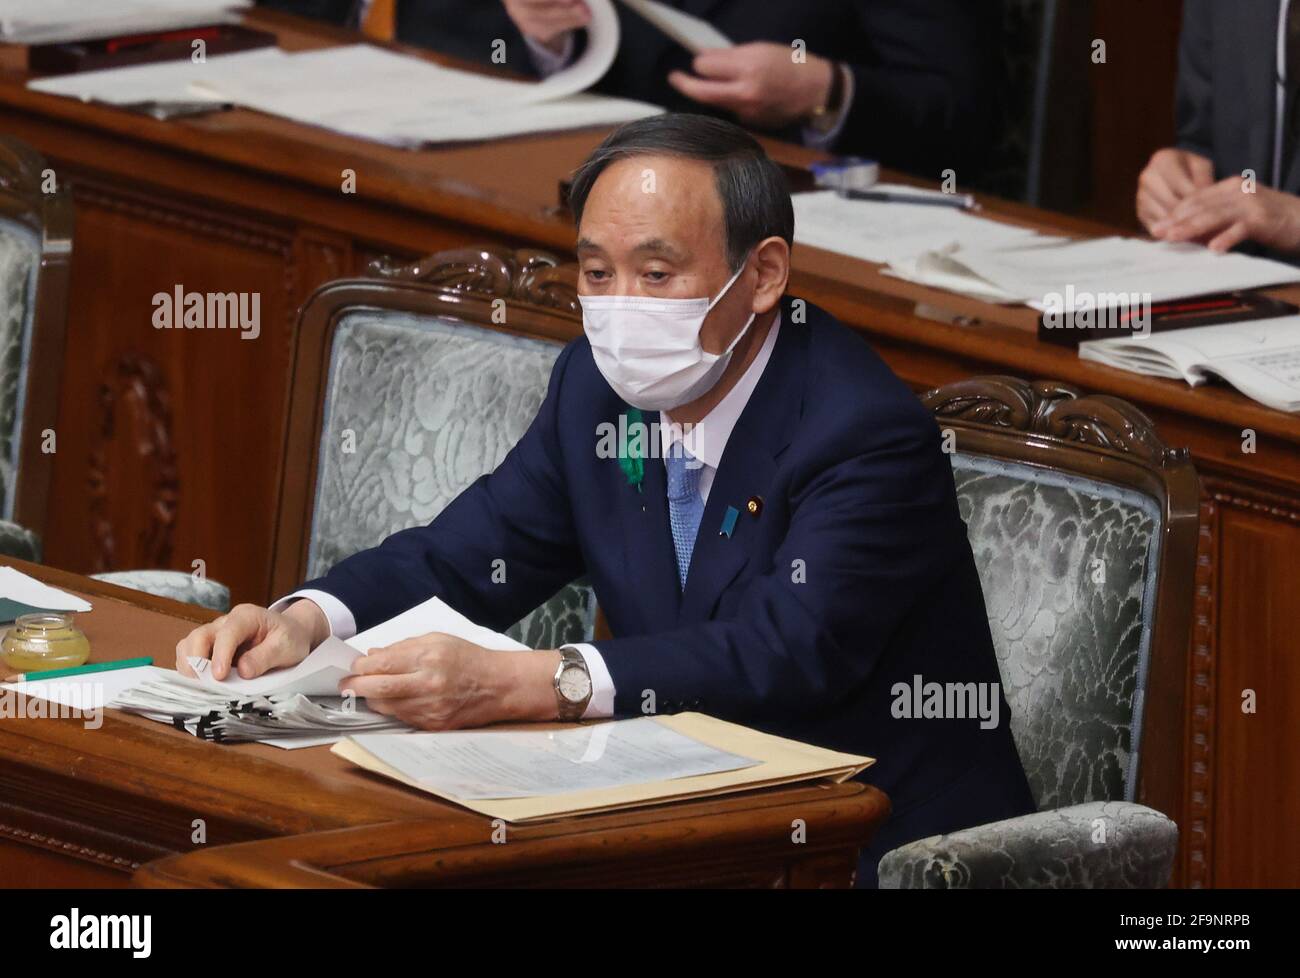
(824, 117)
(572, 685)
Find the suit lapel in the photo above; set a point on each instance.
(747, 469)
(650, 563)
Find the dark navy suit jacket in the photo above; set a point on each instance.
(926, 72)
(855, 575)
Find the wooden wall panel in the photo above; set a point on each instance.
(1256, 788)
(160, 416)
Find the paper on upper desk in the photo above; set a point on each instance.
(1103, 272)
(436, 125)
(57, 21)
(163, 82)
(364, 89)
(881, 231)
(20, 587)
(1260, 358)
(521, 764)
(691, 32)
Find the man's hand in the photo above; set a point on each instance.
(1172, 176)
(1224, 215)
(760, 82)
(548, 22)
(259, 639)
(440, 682)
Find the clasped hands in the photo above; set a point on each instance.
(762, 83)
(1178, 199)
(433, 682)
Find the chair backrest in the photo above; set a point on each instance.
(417, 384)
(1084, 526)
(35, 249)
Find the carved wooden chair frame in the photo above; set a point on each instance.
(474, 285)
(1055, 426)
(49, 217)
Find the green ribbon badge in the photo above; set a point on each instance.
(632, 447)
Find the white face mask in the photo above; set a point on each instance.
(649, 349)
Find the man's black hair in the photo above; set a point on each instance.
(753, 189)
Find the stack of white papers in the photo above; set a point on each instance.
(372, 93)
(880, 231)
(295, 707)
(57, 21)
(1063, 274)
(1260, 358)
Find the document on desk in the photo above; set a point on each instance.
(544, 771)
(880, 231)
(1064, 273)
(161, 82)
(58, 21)
(1260, 358)
(26, 590)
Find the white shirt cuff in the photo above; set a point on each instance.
(546, 61)
(815, 139)
(342, 624)
(601, 703)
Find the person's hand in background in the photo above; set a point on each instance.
(1171, 176)
(760, 82)
(254, 640)
(1224, 215)
(548, 22)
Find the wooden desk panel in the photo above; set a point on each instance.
(239, 201)
(90, 807)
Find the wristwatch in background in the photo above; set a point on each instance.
(572, 685)
(825, 117)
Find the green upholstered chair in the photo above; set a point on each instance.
(35, 250)
(1084, 529)
(407, 388)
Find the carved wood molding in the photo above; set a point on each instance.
(523, 275)
(1198, 832)
(75, 849)
(1055, 410)
(137, 387)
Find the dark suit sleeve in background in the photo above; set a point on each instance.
(1194, 101)
(926, 85)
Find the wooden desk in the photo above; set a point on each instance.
(90, 807)
(238, 201)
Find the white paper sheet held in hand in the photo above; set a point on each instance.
(474, 764)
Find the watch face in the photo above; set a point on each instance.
(575, 684)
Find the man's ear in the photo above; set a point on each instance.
(772, 259)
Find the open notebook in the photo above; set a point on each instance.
(1260, 358)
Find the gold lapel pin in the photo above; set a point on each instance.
(755, 505)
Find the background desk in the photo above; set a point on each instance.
(83, 807)
(150, 424)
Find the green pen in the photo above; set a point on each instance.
(24, 677)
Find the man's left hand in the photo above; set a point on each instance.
(760, 82)
(1223, 215)
(440, 682)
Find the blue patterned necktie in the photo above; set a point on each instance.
(685, 505)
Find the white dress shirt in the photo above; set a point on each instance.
(706, 441)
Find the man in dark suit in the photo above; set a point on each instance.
(787, 553)
(1234, 176)
(912, 83)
